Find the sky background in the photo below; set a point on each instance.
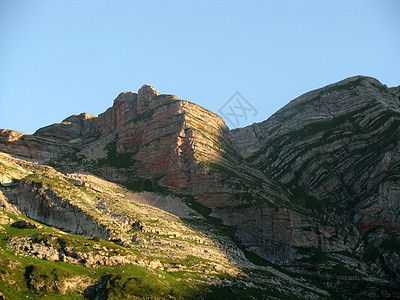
(59, 58)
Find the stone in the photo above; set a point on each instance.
(22, 224)
(319, 178)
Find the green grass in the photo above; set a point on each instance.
(391, 244)
(313, 255)
(220, 169)
(317, 204)
(115, 159)
(33, 278)
(240, 291)
(42, 278)
(146, 185)
(118, 287)
(340, 269)
(73, 159)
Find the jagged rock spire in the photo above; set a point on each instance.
(145, 94)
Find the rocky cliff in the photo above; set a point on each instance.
(337, 149)
(314, 189)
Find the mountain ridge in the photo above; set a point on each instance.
(314, 189)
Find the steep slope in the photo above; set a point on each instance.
(86, 205)
(315, 188)
(153, 139)
(127, 248)
(147, 140)
(351, 127)
(338, 150)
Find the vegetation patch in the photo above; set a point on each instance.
(340, 269)
(43, 278)
(28, 277)
(220, 169)
(313, 255)
(113, 286)
(146, 185)
(70, 159)
(115, 159)
(391, 244)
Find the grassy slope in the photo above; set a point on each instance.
(29, 277)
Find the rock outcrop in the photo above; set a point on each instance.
(337, 150)
(315, 188)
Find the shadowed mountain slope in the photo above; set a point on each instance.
(314, 189)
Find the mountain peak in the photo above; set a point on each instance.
(80, 117)
(313, 189)
(147, 92)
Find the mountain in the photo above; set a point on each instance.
(303, 205)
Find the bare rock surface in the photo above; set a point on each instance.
(315, 188)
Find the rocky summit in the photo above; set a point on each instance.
(157, 198)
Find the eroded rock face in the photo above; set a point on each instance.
(277, 233)
(31, 147)
(41, 203)
(48, 251)
(71, 128)
(84, 204)
(337, 150)
(319, 175)
(339, 143)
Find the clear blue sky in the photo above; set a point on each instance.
(59, 57)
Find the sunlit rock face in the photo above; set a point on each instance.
(316, 184)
